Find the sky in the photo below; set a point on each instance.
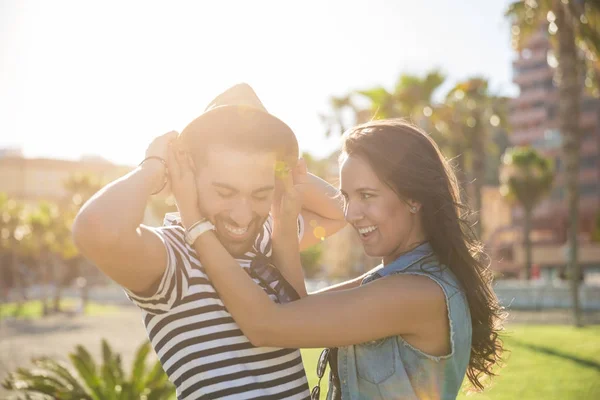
(106, 77)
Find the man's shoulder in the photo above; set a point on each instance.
(172, 219)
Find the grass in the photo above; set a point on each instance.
(33, 309)
(545, 362)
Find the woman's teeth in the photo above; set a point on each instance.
(368, 229)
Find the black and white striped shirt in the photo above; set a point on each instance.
(201, 348)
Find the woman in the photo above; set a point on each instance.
(411, 328)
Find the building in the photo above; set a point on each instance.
(534, 120)
(34, 179)
(533, 116)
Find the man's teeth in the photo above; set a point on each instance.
(236, 231)
(368, 229)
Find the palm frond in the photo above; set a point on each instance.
(61, 370)
(139, 366)
(86, 368)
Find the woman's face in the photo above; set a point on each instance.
(385, 223)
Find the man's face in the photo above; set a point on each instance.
(235, 191)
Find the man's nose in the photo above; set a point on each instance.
(242, 213)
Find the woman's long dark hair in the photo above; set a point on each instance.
(410, 162)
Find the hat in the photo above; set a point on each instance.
(239, 113)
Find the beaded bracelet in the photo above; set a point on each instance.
(164, 163)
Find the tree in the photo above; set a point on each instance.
(54, 380)
(12, 231)
(567, 26)
(475, 114)
(526, 178)
(343, 109)
(596, 229)
(80, 188)
(311, 260)
(412, 99)
(41, 245)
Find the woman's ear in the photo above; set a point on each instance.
(413, 206)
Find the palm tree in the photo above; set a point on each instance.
(526, 178)
(567, 26)
(344, 114)
(54, 380)
(412, 99)
(475, 112)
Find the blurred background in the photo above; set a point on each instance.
(509, 91)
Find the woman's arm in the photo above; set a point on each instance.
(349, 284)
(389, 306)
(322, 216)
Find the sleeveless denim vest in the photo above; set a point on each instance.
(391, 368)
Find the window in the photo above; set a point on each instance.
(557, 194)
(590, 133)
(590, 104)
(589, 162)
(588, 189)
(557, 164)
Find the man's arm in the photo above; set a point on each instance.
(322, 207)
(108, 229)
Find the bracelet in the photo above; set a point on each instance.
(162, 160)
(164, 163)
(197, 229)
(195, 224)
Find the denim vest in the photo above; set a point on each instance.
(391, 368)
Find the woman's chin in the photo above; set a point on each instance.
(371, 252)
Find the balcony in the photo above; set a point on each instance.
(589, 119)
(528, 116)
(540, 72)
(526, 136)
(529, 96)
(586, 176)
(589, 146)
(536, 55)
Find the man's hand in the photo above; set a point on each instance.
(183, 183)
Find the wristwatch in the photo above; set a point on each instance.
(197, 229)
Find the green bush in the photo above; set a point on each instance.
(51, 379)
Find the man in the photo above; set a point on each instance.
(233, 147)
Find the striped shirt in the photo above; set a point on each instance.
(201, 348)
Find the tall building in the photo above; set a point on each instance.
(533, 116)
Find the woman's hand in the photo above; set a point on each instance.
(300, 173)
(183, 184)
(287, 203)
